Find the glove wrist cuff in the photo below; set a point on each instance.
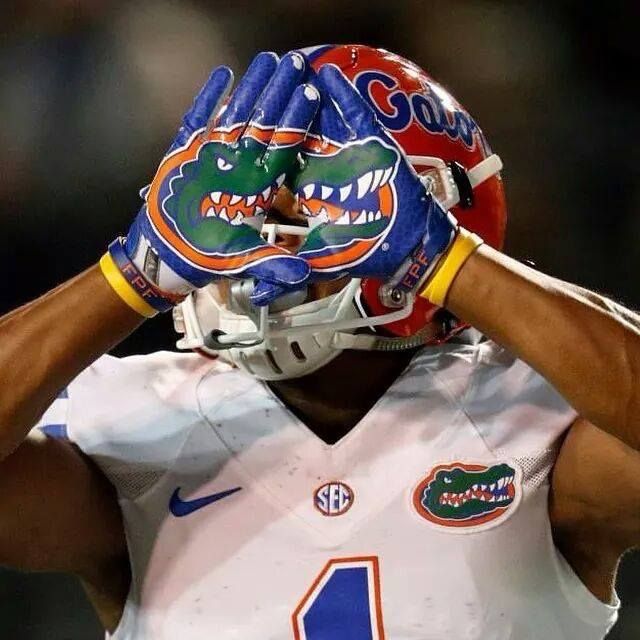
(440, 281)
(131, 285)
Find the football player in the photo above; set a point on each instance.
(356, 463)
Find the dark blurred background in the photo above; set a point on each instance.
(91, 92)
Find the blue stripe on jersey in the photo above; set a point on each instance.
(63, 394)
(57, 431)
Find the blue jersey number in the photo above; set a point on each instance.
(343, 603)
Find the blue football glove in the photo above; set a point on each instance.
(195, 223)
(373, 214)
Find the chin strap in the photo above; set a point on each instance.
(369, 342)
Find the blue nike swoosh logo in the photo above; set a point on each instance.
(180, 508)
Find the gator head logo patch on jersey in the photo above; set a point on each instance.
(464, 497)
(351, 186)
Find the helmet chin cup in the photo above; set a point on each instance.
(276, 345)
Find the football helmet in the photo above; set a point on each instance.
(294, 336)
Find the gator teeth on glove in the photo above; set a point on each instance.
(367, 183)
(234, 208)
(314, 199)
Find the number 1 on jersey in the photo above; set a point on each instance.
(343, 603)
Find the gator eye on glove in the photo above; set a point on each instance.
(196, 222)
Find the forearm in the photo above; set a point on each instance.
(46, 343)
(587, 346)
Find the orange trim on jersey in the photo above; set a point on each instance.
(376, 592)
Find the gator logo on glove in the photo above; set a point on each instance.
(223, 168)
(371, 209)
(214, 182)
(463, 497)
(351, 186)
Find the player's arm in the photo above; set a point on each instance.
(46, 343)
(595, 504)
(587, 346)
(181, 238)
(59, 513)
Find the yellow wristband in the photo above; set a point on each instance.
(440, 282)
(120, 285)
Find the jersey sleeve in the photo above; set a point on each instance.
(515, 409)
(130, 415)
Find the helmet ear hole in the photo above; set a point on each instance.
(298, 353)
(272, 361)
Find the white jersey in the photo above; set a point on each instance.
(428, 520)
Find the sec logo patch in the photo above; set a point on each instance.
(464, 497)
(333, 498)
